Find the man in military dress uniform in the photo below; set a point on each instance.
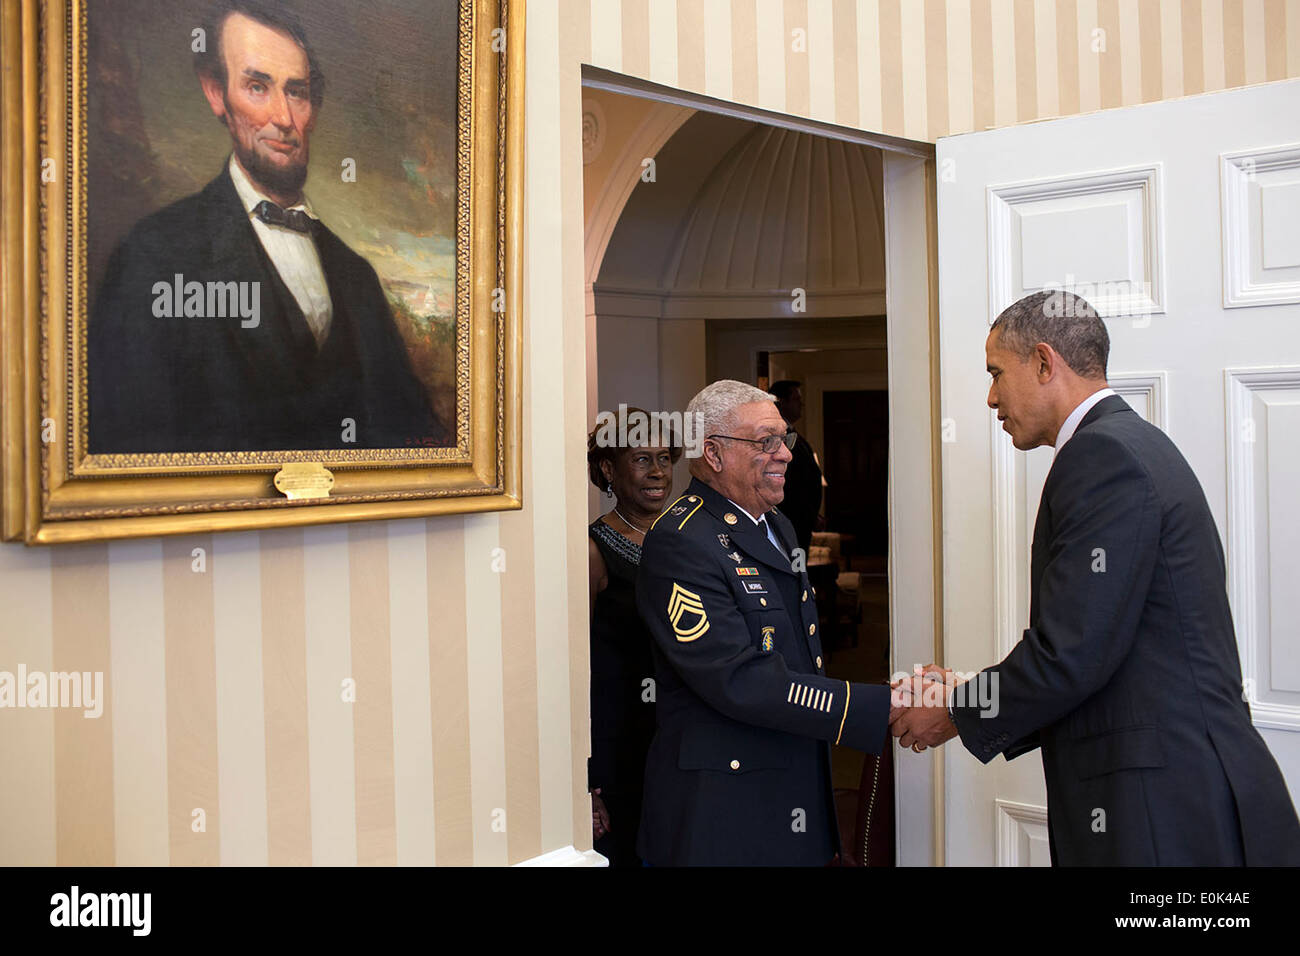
(739, 769)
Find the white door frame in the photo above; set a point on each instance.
(915, 512)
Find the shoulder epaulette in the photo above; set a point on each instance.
(688, 498)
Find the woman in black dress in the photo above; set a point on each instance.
(639, 481)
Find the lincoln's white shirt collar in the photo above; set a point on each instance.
(1072, 422)
(250, 195)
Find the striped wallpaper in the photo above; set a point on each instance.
(226, 738)
(928, 68)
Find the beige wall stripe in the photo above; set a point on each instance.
(330, 734)
(1234, 44)
(449, 689)
(936, 69)
(83, 749)
(961, 74)
(797, 68)
(1212, 44)
(27, 798)
(1171, 48)
(1275, 39)
(1293, 38)
(408, 602)
(844, 31)
(1111, 57)
(822, 57)
(242, 785)
(372, 714)
(1004, 62)
(487, 755)
(1089, 35)
(1151, 63)
(191, 704)
(1026, 60)
(911, 41)
(636, 37)
(1193, 52)
(771, 44)
(606, 34)
(893, 97)
(690, 45)
(661, 38)
(519, 687)
(870, 77)
(1046, 59)
(1254, 44)
(284, 695)
(139, 669)
(1067, 53)
(716, 48)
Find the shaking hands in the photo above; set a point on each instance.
(918, 711)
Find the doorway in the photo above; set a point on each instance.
(771, 234)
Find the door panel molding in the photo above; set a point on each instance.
(1127, 199)
(1261, 226)
(1263, 439)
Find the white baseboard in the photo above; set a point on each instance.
(567, 856)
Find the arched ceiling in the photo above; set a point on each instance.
(739, 207)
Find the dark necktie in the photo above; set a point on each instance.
(773, 538)
(295, 219)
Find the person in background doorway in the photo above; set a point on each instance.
(803, 476)
(638, 480)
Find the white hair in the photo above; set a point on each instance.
(714, 406)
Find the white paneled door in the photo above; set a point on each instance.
(1180, 221)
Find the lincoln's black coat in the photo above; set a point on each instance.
(208, 384)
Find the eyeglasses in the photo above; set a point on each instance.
(769, 443)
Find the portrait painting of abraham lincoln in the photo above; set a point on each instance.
(271, 258)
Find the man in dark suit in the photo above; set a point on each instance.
(234, 320)
(738, 771)
(803, 478)
(1127, 677)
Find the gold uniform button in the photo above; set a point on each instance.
(812, 629)
(763, 601)
(805, 595)
(735, 765)
(819, 661)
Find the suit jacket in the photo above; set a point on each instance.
(209, 384)
(1128, 677)
(739, 768)
(803, 491)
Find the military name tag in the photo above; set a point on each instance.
(304, 479)
(755, 587)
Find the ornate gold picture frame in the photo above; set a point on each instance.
(59, 486)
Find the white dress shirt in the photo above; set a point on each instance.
(294, 255)
(1072, 421)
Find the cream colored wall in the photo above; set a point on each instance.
(471, 683)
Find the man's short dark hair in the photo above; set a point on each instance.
(1064, 321)
(210, 62)
(784, 388)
